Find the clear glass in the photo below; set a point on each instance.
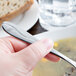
(57, 12)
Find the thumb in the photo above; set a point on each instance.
(34, 52)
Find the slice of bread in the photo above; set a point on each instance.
(12, 8)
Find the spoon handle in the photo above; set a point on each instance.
(25, 36)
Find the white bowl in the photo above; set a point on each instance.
(55, 69)
(58, 34)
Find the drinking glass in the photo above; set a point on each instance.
(57, 13)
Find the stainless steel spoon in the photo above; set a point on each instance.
(25, 36)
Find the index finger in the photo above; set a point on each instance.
(19, 45)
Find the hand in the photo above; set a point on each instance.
(18, 58)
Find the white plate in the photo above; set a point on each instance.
(58, 34)
(26, 20)
(29, 18)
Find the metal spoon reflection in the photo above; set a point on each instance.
(27, 37)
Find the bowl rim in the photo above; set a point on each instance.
(65, 32)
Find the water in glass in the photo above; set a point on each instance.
(57, 12)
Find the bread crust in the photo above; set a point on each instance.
(15, 13)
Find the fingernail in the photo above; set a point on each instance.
(48, 43)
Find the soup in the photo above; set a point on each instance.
(61, 68)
